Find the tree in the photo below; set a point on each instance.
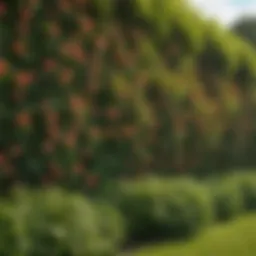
(245, 28)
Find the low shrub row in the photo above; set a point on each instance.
(54, 222)
(157, 209)
(59, 223)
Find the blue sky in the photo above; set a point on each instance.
(225, 11)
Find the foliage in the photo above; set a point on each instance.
(94, 90)
(111, 225)
(227, 199)
(246, 182)
(156, 209)
(12, 240)
(53, 222)
(244, 27)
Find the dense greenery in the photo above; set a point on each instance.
(174, 209)
(58, 223)
(227, 198)
(158, 209)
(53, 222)
(93, 90)
(245, 28)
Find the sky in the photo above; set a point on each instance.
(226, 11)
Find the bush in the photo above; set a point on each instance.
(247, 185)
(57, 223)
(158, 209)
(227, 199)
(111, 228)
(249, 192)
(12, 239)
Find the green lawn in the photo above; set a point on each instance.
(236, 238)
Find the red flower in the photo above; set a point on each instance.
(73, 50)
(66, 76)
(129, 131)
(49, 65)
(48, 147)
(24, 78)
(54, 30)
(23, 119)
(76, 103)
(26, 14)
(3, 9)
(3, 67)
(52, 117)
(101, 43)
(92, 180)
(87, 24)
(19, 47)
(70, 139)
(2, 159)
(78, 169)
(64, 5)
(53, 132)
(95, 132)
(55, 171)
(113, 113)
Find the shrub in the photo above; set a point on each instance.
(191, 206)
(110, 224)
(12, 239)
(58, 223)
(247, 185)
(227, 199)
(158, 209)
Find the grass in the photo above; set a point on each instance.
(236, 238)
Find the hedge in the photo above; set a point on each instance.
(95, 90)
(54, 222)
(156, 209)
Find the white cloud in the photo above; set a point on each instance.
(225, 11)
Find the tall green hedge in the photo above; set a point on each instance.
(93, 90)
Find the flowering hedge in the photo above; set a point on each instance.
(92, 90)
